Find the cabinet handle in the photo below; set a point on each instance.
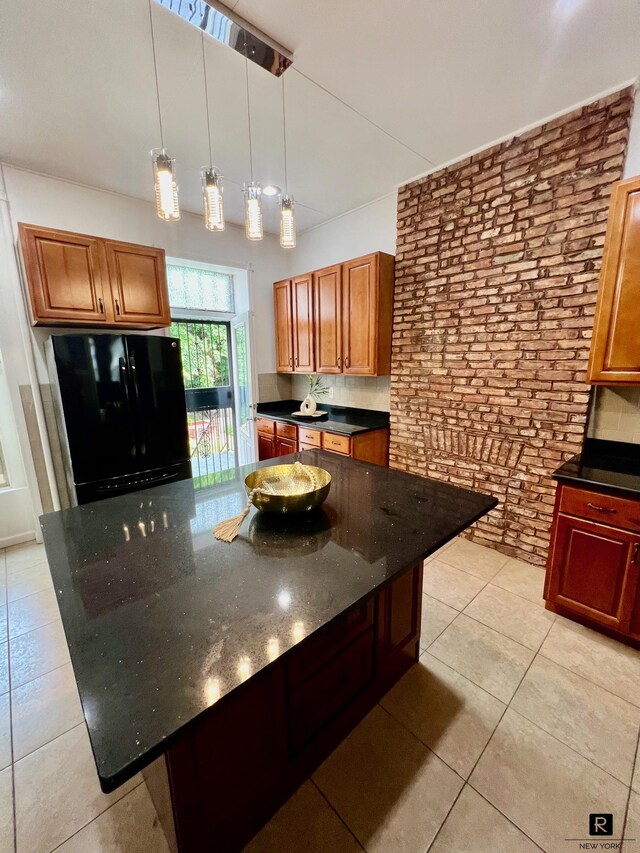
(100, 305)
(636, 553)
(346, 361)
(339, 360)
(296, 361)
(602, 508)
(117, 306)
(290, 362)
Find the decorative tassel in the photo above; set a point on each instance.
(227, 530)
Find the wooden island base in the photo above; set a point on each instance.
(231, 771)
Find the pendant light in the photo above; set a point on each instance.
(211, 177)
(166, 190)
(287, 213)
(252, 190)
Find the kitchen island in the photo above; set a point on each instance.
(227, 673)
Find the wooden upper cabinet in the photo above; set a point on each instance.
(327, 293)
(346, 328)
(615, 347)
(67, 277)
(138, 284)
(284, 326)
(79, 280)
(302, 323)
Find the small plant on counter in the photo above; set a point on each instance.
(317, 386)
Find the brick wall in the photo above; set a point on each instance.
(496, 277)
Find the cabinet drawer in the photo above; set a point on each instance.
(337, 443)
(286, 430)
(329, 690)
(266, 426)
(310, 436)
(618, 512)
(315, 651)
(302, 447)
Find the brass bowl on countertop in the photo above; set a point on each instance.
(288, 488)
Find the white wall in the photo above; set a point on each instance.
(371, 228)
(55, 203)
(632, 162)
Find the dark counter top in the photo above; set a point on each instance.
(607, 464)
(162, 620)
(340, 419)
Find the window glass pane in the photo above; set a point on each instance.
(205, 353)
(202, 290)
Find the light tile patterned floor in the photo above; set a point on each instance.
(514, 726)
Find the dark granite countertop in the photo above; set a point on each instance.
(340, 419)
(607, 464)
(162, 620)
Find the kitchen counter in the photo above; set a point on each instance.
(163, 621)
(606, 464)
(340, 419)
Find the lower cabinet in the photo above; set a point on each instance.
(276, 438)
(593, 567)
(244, 757)
(266, 446)
(285, 446)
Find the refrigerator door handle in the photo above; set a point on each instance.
(136, 393)
(125, 390)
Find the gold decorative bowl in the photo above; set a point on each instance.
(288, 488)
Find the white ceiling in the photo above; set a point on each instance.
(419, 82)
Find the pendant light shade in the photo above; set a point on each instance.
(253, 211)
(166, 189)
(287, 223)
(212, 199)
(164, 181)
(287, 213)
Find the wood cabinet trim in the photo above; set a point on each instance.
(617, 252)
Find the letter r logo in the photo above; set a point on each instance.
(600, 824)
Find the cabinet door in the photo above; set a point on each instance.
(398, 624)
(302, 324)
(593, 571)
(66, 277)
(327, 295)
(266, 446)
(283, 323)
(360, 316)
(285, 446)
(138, 284)
(615, 347)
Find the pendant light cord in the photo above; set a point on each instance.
(206, 96)
(284, 140)
(246, 67)
(155, 69)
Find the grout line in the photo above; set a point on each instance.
(335, 811)
(626, 811)
(44, 625)
(93, 819)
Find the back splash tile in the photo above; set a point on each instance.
(615, 414)
(357, 392)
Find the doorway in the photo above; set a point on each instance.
(215, 344)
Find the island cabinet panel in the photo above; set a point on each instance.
(66, 275)
(80, 280)
(327, 291)
(138, 284)
(615, 346)
(237, 765)
(594, 567)
(302, 324)
(284, 326)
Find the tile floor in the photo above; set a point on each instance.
(514, 726)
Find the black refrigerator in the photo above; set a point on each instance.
(121, 413)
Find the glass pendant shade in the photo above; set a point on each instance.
(287, 223)
(253, 211)
(165, 186)
(212, 199)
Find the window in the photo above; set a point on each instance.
(198, 288)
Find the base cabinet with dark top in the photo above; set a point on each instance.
(593, 570)
(278, 439)
(252, 752)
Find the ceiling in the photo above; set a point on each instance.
(416, 84)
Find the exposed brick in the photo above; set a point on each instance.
(496, 279)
